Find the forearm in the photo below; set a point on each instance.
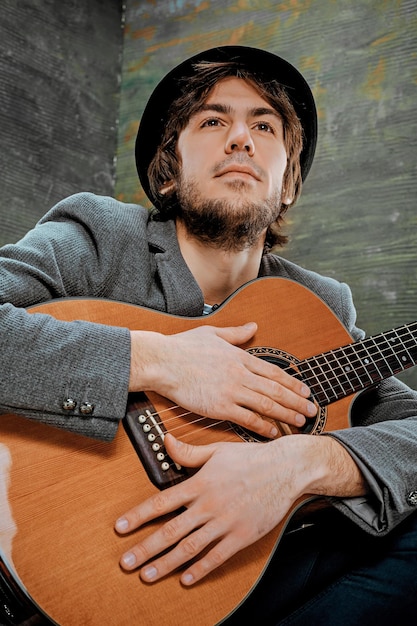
(45, 361)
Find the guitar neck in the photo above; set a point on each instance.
(347, 370)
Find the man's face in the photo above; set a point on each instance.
(233, 148)
(232, 158)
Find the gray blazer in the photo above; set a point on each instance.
(99, 247)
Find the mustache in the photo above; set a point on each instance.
(238, 159)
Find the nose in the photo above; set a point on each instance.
(240, 139)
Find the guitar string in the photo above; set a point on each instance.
(198, 418)
(362, 350)
(337, 370)
(359, 353)
(307, 379)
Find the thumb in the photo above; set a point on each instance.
(237, 334)
(186, 454)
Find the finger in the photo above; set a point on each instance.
(186, 454)
(215, 557)
(278, 374)
(173, 498)
(156, 506)
(186, 550)
(280, 409)
(261, 400)
(262, 425)
(275, 401)
(253, 421)
(281, 387)
(237, 335)
(167, 536)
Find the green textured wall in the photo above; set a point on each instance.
(357, 218)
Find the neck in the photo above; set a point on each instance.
(219, 273)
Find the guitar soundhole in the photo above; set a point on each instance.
(313, 425)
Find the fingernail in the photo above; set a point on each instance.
(274, 431)
(149, 572)
(122, 524)
(187, 579)
(300, 420)
(129, 559)
(311, 408)
(305, 391)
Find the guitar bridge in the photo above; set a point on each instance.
(146, 432)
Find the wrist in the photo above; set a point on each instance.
(145, 360)
(324, 467)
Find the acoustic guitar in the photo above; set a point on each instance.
(61, 493)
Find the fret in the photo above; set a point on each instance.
(339, 377)
(317, 373)
(340, 372)
(393, 346)
(350, 367)
(359, 361)
(405, 346)
(377, 365)
(387, 360)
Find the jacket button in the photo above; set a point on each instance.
(69, 404)
(86, 408)
(412, 498)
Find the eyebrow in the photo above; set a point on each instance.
(227, 109)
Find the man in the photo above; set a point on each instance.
(223, 146)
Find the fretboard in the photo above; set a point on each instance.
(344, 371)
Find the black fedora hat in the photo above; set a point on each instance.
(260, 62)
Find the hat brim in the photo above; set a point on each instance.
(261, 62)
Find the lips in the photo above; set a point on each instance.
(235, 168)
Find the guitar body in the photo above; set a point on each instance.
(65, 491)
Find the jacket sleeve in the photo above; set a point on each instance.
(70, 374)
(383, 442)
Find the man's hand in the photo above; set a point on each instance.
(204, 371)
(241, 492)
(231, 502)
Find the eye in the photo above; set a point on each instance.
(265, 127)
(211, 122)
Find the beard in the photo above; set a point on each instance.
(230, 225)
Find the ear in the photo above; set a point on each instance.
(167, 187)
(286, 198)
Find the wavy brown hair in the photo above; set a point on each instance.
(194, 90)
